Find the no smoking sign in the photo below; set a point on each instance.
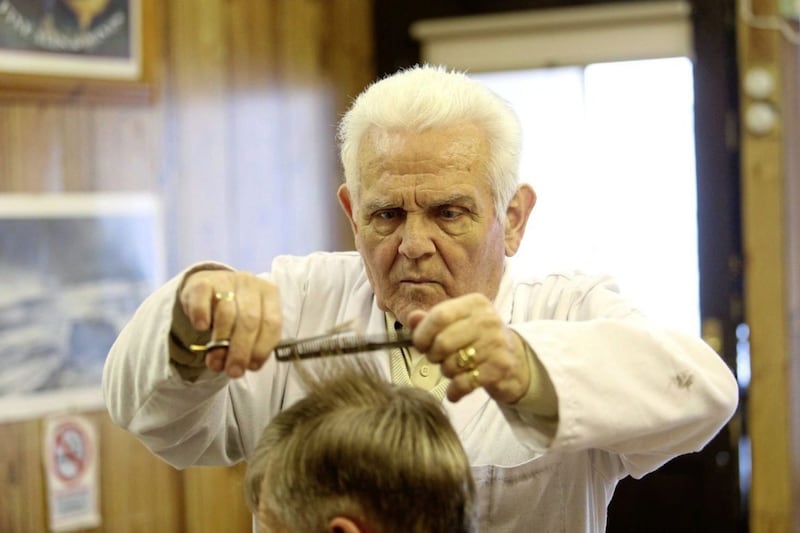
(71, 452)
(70, 455)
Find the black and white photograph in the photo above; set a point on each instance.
(73, 268)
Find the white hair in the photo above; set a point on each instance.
(424, 97)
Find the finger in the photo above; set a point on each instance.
(271, 326)
(415, 317)
(224, 307)
(463, 360)
(435, 321)
(456, 341)
(196, 297)
(464, 383)
(428, 335)
(215, 359)
(486, 343)
(507, 377)
(224, 310)
(245, 326)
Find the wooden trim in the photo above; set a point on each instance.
(763, 212)
(575, 35)
(791, 113)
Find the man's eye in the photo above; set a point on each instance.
(449, 213)
(387, 214)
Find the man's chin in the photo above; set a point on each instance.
(408, 300)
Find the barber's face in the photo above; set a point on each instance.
(424, 221)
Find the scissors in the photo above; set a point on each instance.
(340, 340)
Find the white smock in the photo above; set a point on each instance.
(631, 395)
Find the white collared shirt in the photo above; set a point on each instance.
(623, 404)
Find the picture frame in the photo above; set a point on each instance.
(73, 269)
(88, 50)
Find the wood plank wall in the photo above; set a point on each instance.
(770, 185)
(791, 88)
(238, 143)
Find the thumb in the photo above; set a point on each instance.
(415, 317)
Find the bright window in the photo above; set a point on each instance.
(609, 149)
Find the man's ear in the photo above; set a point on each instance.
(347, 205)
(517, 213)
(341, 524)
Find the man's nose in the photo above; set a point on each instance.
(416, 237)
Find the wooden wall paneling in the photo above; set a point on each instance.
(215, 500)
(34, 150)
(76, 132)
(251, 46)
(140, 492)
(765, 290)
(152, 49)
(300, 34)
(196, 190)
(22, 492)
(308, 127)
(791, 120)
(350, 58)
(125, 148)
(255, 125)
(351, 62)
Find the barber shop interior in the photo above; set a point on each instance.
(431, 266)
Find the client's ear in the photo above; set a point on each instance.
(341, 524)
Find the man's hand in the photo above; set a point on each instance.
(236, 306)
(474, 348)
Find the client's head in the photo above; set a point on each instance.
(358, 454)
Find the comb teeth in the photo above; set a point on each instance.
(335, 344)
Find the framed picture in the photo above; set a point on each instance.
(73, 268)
(78, 49)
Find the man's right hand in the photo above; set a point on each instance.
(239, 307)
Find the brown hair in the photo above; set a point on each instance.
(361, 447)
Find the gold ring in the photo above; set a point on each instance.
(466, 358)
(227, 296)
(474, 377)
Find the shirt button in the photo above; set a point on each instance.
(424, 371)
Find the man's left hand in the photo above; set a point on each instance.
(474, 348)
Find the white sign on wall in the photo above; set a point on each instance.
(71, 466)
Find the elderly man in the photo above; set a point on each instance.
(557, 387)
